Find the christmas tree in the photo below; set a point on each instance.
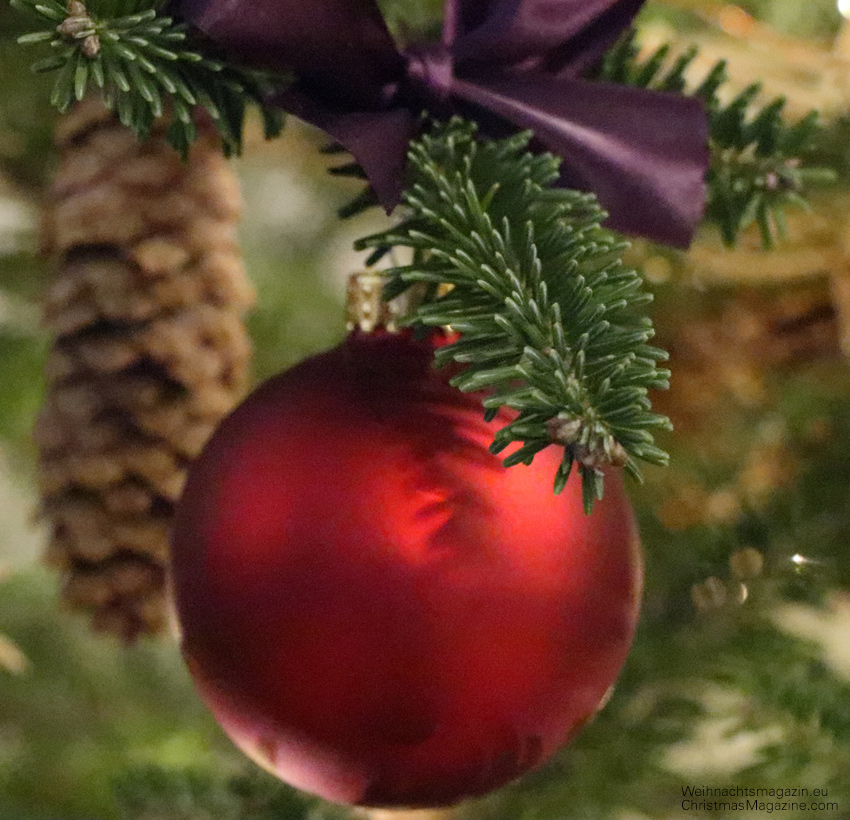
(122, 296)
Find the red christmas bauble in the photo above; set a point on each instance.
(374, 608)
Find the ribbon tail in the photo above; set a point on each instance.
(378, 140)
(341, 46)
(588, 47)
(643, 153)
(509, 32)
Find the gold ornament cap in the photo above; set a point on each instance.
(366, 310)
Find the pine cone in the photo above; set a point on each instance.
(149, 354)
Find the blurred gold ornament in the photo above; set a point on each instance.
(840, 283)
(149, 353)
(413, 814)
(12, 659)
(683, 506)
(746, 563)
(722, 507)
(808, 73)
(709, 595)
(766, 469)
(715, 594)
(723, 353)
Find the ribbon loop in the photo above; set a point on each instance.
(507, 63)
(430, 72)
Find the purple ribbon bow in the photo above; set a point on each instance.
(516, 62)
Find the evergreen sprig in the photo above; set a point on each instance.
(550, 317)
(199, 794)
(142, 62)
(756, 170)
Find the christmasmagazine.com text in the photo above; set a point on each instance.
(699, 799)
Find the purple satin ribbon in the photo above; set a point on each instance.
(504, 63)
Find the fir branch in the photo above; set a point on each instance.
(756, 170)
(156, 793)
(549, 316)
(144, 66)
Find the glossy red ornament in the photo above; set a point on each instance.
(373, 607)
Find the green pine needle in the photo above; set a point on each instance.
(550, 319)
(142, 64)
(756, 170)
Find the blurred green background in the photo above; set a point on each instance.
(717, 693)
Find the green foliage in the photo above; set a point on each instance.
(26, 115)
(86, 707)
(736, 669)
(756, 169)
(88, 711)
(817, 19)
(132, 713)
(20, 392)
(23, 348)
(156, 793)
(413, 20)
(144, 66)
(550, 318)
